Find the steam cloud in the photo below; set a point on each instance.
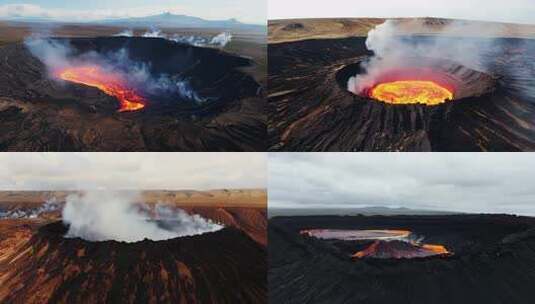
(391, 48)
(220, 40)
(57, 55)
(125, 33)
(103, 215)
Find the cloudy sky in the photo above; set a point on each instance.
(163, 171)
(518, 11)
(467, 182)
(250, 11)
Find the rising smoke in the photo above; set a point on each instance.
(220, 40)
(58, 55)
(50, 205)
(154, 33)
(105, 215)
(125, 33)
(392, 48)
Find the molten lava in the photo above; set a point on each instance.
(411, 86)
(411, 92)
(400, 250)
(113, 84)
(353, 235)
(438, 249)
(387, 243)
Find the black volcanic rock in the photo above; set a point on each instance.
(225, 266)
(310, 108)
(493, 261)
(38, 113)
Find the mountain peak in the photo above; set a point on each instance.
(170, 19)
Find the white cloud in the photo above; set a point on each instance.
(167, 171)
(520, 11)
(35, 11)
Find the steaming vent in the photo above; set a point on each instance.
(105, 216)
(385, 244)
(403, 72)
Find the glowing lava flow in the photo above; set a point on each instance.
(387, 243)
(400, 249)
(438, 249)
(411, 92)
(112, 84)
(353, 235)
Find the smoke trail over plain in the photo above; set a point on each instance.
(50, 205)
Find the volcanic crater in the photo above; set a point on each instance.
(483, 263)
(311, 108)
(46, 255)
(213, 104)
(462, 82)
(192, 269)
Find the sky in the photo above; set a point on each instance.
(132, 171)
(462, 182)
(516, 11)
(248, 11)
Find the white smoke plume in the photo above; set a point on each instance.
(220, 40)
(453, 40)
(108, 215)
(154, 33)
(57, 55)
(187, 224)
(125, 33)
(52, 53)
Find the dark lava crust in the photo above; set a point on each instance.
(493, 262)
(225, 266)
(310, 109)
(41, 114)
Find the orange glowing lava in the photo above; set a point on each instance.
(411, 92)
(387, 243)
(400, 250)
(437, 249)
(113, 84)
(366, 252)
(352, 235)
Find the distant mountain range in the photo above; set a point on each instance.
(161, 20)
(182, 21)
(272, 212)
